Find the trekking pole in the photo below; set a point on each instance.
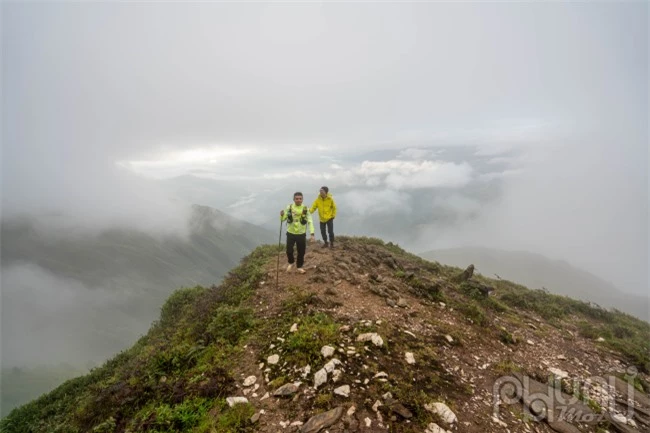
(277, 269)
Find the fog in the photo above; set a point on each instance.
(47, 325)
(506, 125)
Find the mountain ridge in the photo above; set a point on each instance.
(371, 338)
(537, 271)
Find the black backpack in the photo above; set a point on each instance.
(303, 217)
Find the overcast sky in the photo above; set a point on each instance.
(102, 101)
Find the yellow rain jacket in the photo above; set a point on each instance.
(326, 207)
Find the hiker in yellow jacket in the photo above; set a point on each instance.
(298, 218)
(326, 213)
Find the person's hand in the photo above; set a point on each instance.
(282, 212)
(312, 238)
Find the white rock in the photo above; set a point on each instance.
(294, 328)
(250, 380)
(352, 410)
(560, 374)
(257, 385)
(377, 340)
(296, 424)
(265, 396)
(449, 338)
(409, 358)
(387, 395)
(273, 359)
(380, 374)
(327, 351)
(368, 421)
(498, 421)
(331, 365)
(561, 357)
(371, 336)
(600, 339)
(261, 365)
(343, 390)
(443, 411)
(336, 375)
(376, 405)
(320, 378)
(434, 428)
(305, 371)
(410, 333)
(530, 342)
(236, 400)
(620, 418)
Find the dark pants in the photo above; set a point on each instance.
(301, 241)
(330, 228)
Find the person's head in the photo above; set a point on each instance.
(297, 198)
(323, 191)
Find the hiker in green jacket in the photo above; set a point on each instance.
(326, 213)
(298, 217)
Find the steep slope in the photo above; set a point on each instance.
(370, 339)
(537, 271)
(73, 299)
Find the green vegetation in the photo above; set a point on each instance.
(168, 417)
(474, 313)
(234, 419)
(313, 333)
(506, 337)
(506, 366)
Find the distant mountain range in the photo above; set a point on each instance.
(538, 272)
(73, 299)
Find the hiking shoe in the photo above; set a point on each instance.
(325, 245)
(301, 271)
(332, 245)
(289, 267)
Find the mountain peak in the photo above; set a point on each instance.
(370, 338)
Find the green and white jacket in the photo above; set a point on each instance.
(297, 227)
